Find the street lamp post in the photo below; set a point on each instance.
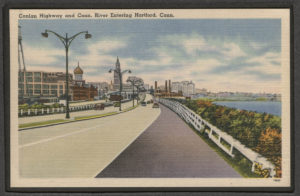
(135, 82)
(66, 42)
(120, 75)
(138, 91)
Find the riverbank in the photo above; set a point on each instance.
(270, 107)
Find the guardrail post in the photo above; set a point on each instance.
(253, 166)
(28, 111)
(231, 148)
(21, 112)
(48, 110)
(210, 133)
(42, 110)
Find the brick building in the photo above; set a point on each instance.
(81, 90)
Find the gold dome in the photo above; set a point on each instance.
(78, 70)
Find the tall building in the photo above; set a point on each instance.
(116, 75)
(81, 90)
(187, 88)
(42, 84)
(190, 88)
(176, 87)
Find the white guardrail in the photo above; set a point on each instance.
(217, 135)
(45, 111)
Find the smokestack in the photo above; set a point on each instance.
(166, 86)
(169, 86)
(155, 87)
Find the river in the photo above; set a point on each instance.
(270, 107)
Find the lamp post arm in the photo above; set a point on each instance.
(73, 37)
(61, 38)
(127, 70)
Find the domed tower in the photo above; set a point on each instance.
(78, 72)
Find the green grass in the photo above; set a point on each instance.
(131, 108)
(34, 124)
(94, 116)
(239, 163)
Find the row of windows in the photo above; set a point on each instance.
(45, 86)
(37, 91)
(36, 74)
(31, 79)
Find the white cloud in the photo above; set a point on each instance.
(195, 43)
(257, 45)
(231, 50)
(107, 45)
(99, 53)
(265, 63)
(42, 55)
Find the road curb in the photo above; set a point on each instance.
(72, 121)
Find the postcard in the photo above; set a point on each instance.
(150, 98)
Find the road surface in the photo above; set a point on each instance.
(168, 149)
(80, 149)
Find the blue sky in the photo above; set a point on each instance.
(220, 55)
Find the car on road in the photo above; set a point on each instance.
(117, 104)
(99, 106)
(155, 105)
(143, 103)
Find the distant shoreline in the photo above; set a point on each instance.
(224, 99)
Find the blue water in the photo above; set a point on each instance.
(270, 107)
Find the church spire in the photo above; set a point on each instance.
(118, 63)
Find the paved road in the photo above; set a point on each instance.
(80, 149)
(168, 148)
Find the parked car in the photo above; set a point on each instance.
(155, 105)
(117, 104)
(99, 106)
(143, 103)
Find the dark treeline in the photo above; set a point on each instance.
(260, 132)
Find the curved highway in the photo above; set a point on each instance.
(168, 149)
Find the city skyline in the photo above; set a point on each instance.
(219, 55)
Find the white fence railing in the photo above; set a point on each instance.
(223, 140)
(46, 111)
